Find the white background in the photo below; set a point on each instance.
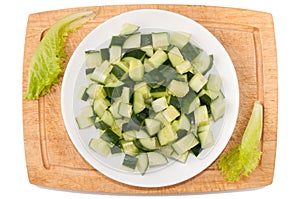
(13, 173)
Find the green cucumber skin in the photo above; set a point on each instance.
(130, 161)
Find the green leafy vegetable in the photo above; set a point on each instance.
(47, 61)
(244, 158)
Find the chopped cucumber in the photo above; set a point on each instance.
(184, 123)
(153, 126)
(130, 162)
(115, 53)
(201, 116)
(189, 51)
(125, 110)
(203, 62)
(93, 58)
(214, 83)
(100, 146)
(128, 28)
(158, 58)
(160, 40)
(158, 92)
(105, 54)
(178, 88)
(189, 103)
(134, 54)
(142, 134)
(101, 73)
(217, 108)
(146, 40)
(129, 148)
(166, 135)
(159, 104)
(149, 97)
(180, 39)
(100, 105)
(125, 96)
(107, 118)
(117, 41)
(138, 102)
(129, 135)
(147, 144)
(185, 143)
(142, 163)
(180, 157)
(84, 121)
(110, 136)
(119, 70)
(206, 139)
(82, 94)
(197, 82)
(136, 70)
(148, 50)
(156, 159)
(175, 56)
(171, 113)
(132, 41)
(184, 67)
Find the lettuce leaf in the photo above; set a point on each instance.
(46, 64)
(244, 158)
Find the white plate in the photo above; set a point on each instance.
(74, 78)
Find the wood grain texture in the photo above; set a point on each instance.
(248, 37)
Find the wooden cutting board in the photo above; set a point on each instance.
(248, 37)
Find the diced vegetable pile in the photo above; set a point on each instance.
(151, 98)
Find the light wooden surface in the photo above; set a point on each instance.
(248, 37)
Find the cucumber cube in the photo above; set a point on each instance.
(171, 113)
(136, 70)
(100, 146)
(156, 159)
(206, 139)
(201, 116)
(93, 58)
(159, 116)
(166, 135)
(128, 28)
(114, 109)
(110, 137)
(115, 53)
(217, 108)
(158, 58)
(189, 51)
(184, 122)
(160, 40)
(100, 106)
(125, 110)
(197, 82)
(178, 88)
(185, 143)
(175, 56)
(138, 102)
(84, 121)
(125, 96)
(129, 148)
(130, 162)
(214, 82)
(184, 67)
(132, 41)
(107, 118)
(180, 39)
(153, 126)
(159, 104)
